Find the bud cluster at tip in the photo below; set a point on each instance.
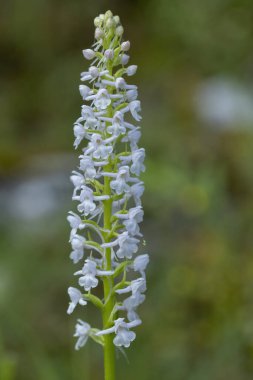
(105, 234)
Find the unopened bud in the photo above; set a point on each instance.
(119, 30)
(116, 19)
(109, 54)
(99, 33)
(109, 23)
(97, 21)
(88, 54)
(84, 91)
(108, 14)
(125, 46)
(131, 70)
(124, 59)
(94, 72)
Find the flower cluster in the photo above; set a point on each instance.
(105, 232)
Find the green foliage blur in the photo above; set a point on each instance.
(197, 319)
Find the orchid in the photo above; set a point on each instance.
(105, 232)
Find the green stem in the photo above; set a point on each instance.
(109, 350)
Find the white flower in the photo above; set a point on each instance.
(131, 303)
(133, 137)
(87, 206)
(127, 246)
(123, 335)
(89, 271)
(117, 126)
(87, 165)
(120, 183)
(136, 286)
(82, 332)
(135, 216)
(131, 95)
(75, 223)
(134, 108)
(75, 298)
(121, 84)
(138, 158)
(92, 74)
(140, 263)
(77, 243)
(98, 148)
(79, 133)
(84, 91)
(136, 191)
(78, 181)
(87, 112)
(102, 99)
(76, 255)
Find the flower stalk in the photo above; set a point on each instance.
(105, 232)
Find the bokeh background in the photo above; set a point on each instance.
(195, 78)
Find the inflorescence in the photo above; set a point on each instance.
(105, 232)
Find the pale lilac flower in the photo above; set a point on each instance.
(127, 246)
(123, 335)
(78, 181)
(140, 263)
(77, 243)
(138, 157)
(75, 223)
(82, 333)
(79, 133)
(120, 183)
(136, 286)
(84, 91)
(75, 298)
(136, 191)
(86, 206)
(87, 165)
(92, 74)
(98, 147)
(131, 303)
(131, 95)
(89, 271)
(134, 108)
(102, 99)
(135, 217)
(117, 128)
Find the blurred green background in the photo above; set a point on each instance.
(195, 78)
